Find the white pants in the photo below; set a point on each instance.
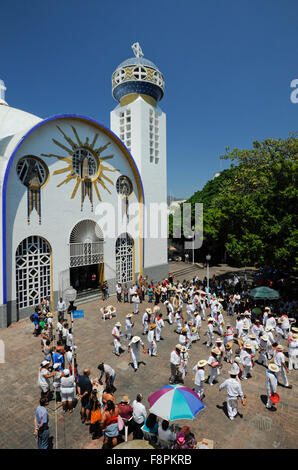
(246, 370)
(152, 348)
(282, 372)
(158, 333)
(232, 407)
(204, 313)
(117, 346)
(199, 389)
(146, 328)
(220, 329)
(213, 374)
(135, 307)
(170, 318)
(210, 339)
(135, 358)
(183, 369)
(178, 326)
(229, 356)
(128, 333)
(263, 359)
(293, 361)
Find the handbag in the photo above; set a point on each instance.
(120, 423)
(95, 416)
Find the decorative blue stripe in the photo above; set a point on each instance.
(5, 180)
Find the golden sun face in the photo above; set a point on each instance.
(84, 165)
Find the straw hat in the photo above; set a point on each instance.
(196, 313)
(229, 345)
(210, 319)
(129, 315)
(148, 310)
(178, 346)
(279, 348)
(264, 338)
(50, 314)
(202, 363)
(273, 367)
(295, 336)
(267, 308)
(268, 328)
(232, 372)
(194, 329)
(125, 399)
(183, 349)
(136, 339)
(184, 330)
(189, 301)
(247, 346)
(294, 328)
(118, 323)
(156, 309)
(190, 323)
(252, 336)
(237, 359)
(151, 327)
(246, 328)
(166, 302)
(215, 351)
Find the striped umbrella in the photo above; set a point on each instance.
(173, 402)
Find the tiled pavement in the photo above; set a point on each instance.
(258, 428)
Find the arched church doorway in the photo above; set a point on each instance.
(125, 270)
(86, 257)
(33, 271)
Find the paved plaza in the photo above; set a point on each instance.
(258, 428)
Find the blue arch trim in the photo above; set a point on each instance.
(5, 180)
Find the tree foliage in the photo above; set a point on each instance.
(250, 210)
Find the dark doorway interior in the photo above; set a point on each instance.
(85, 278)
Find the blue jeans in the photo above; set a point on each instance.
(43, 438)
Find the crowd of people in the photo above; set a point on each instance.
(224, 319)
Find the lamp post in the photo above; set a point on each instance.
(193, 246)
(208, 258)
(70, 294)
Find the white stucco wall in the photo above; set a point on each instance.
(60, 213)
(154, 175)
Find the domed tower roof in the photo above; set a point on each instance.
(137, 75)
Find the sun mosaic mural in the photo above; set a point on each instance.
(84, 165)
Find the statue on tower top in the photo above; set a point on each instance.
(137, 50)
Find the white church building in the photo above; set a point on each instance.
(79, 202)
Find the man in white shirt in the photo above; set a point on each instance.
(134, 348)
(170, 311)
(159, 325)
(198, 322)
(129, 325)
(293, 352)
(271, 383)
(213, 365)
(175, 360)
(234, 390)
(61, 307)
(245, 357)
(270, 321)
(152, 348)
(280, 361)
(200, 378)
(116, 332)
(220, 322)
(139, 415)
(209, 332)
(146, 320)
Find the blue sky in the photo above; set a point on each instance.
(227, 64)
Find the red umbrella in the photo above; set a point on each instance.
(201, 292)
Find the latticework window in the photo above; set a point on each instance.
(33, 271)
(124, 258)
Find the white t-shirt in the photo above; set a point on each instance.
(139, 412)
(167, 435)
(42, 380)
(200, 375)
